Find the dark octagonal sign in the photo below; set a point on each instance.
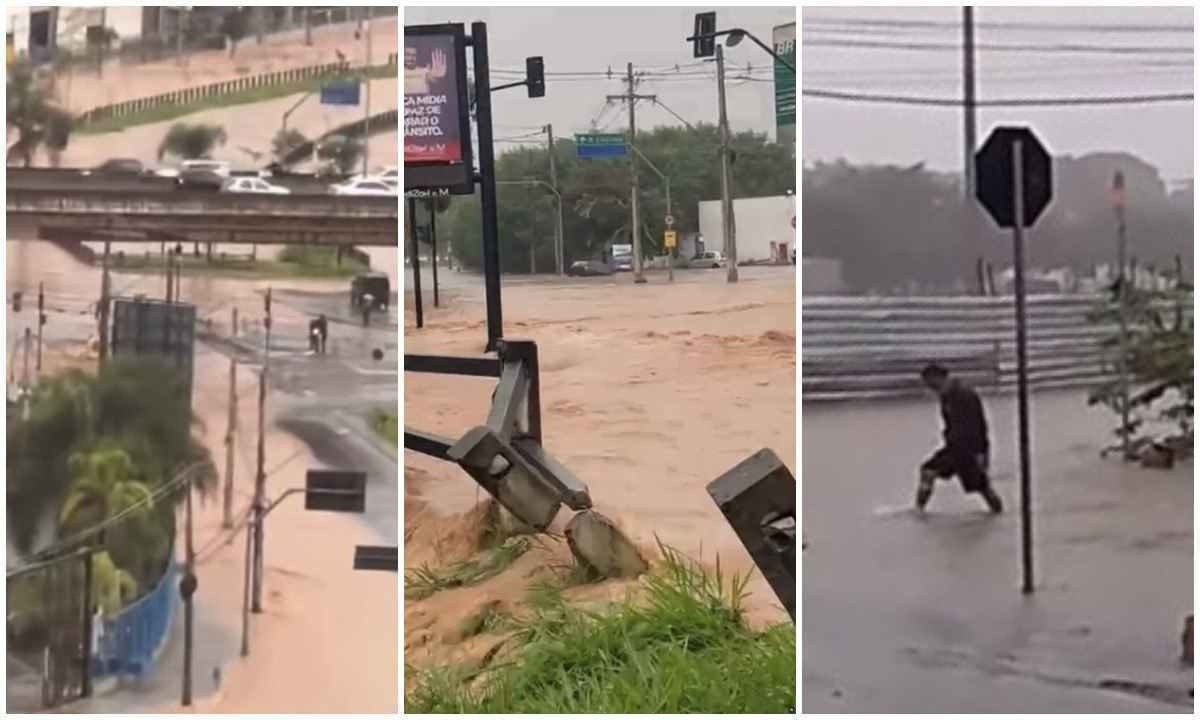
(994, 175)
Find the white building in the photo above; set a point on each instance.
(765, 228)
(37, 31)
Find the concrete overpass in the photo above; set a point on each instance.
(204, 216)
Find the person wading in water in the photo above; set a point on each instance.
(966, 449)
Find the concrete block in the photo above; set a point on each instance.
(597, 543)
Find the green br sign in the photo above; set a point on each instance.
(784, 39)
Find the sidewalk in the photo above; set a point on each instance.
(903, 614)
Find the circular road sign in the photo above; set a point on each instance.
(994, 169)
(669, 220)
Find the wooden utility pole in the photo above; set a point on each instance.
(260, 478)
(630, 98)
(41, 323)
(187, 588)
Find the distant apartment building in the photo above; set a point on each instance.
(40, 32)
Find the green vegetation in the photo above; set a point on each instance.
(97, 445)
(341, 154)
(1161, 328)
(683, 647)
(425, 580)
(168, 111)
(596, 195)
(285, 142)
(294, 261)
(386, 425)
(191, 142)
(34, 114)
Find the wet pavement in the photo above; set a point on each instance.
(910, 614)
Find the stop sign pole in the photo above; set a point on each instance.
(1022, 369)
(1013, 182)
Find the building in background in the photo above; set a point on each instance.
(765, 228)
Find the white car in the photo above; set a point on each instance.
(217, 167)
(253, 185)
(364, 186)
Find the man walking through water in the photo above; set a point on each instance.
(966, 449)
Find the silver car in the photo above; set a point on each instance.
(708, 259)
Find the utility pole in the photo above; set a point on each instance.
(187, 588)
(41, 323)
(367, 104)
(230, 440)
(631, 98)
(558, 228)
(1118, 202)
(970, 211)
(726, 203)
(260, 478)
(25, 352)
(103, 314)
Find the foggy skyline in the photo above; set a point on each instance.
(593, 40)
(846, 56)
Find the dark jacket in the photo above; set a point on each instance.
(966, 427)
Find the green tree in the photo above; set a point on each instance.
(596, 195)
(112, 587)
(35, 115)
(105, 484)
(191, 142)
(341, 153)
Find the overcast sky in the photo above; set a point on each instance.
(582, 39)
(1162, 134)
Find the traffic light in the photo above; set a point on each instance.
(706, 24)
(535, 76)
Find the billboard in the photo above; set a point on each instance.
(437, 124)
(784, 39)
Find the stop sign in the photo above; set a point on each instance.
(994, 169)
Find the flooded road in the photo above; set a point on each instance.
(903, 614)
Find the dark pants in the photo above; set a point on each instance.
(963, 464)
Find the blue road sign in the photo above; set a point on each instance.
(600, 145)
(340, 92)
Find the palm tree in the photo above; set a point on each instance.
(191, 142)
(112, 587)
(105, 484)
(35, 115)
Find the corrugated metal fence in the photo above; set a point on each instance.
(876, 347)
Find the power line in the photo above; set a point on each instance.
(1008, 102)
(1076, 48)
(1011, 25)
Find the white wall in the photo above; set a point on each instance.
(757, 223)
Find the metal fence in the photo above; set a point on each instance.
(132, 642)
(187, 96)
(876, 347)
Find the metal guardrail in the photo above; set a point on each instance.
(876, 347)
(200, 203)
(186, 96)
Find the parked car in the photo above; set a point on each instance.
(253, 185)
(199, 180)
(363, 186)
(708, 259)
(376, 285)
(589, 268)
(118, 166)
(219, 167)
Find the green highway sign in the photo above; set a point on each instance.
(784, 37)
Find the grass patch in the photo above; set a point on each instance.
(425, 580)
(164, 112)
(295, 261)
(683, 648)
(386, 425)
